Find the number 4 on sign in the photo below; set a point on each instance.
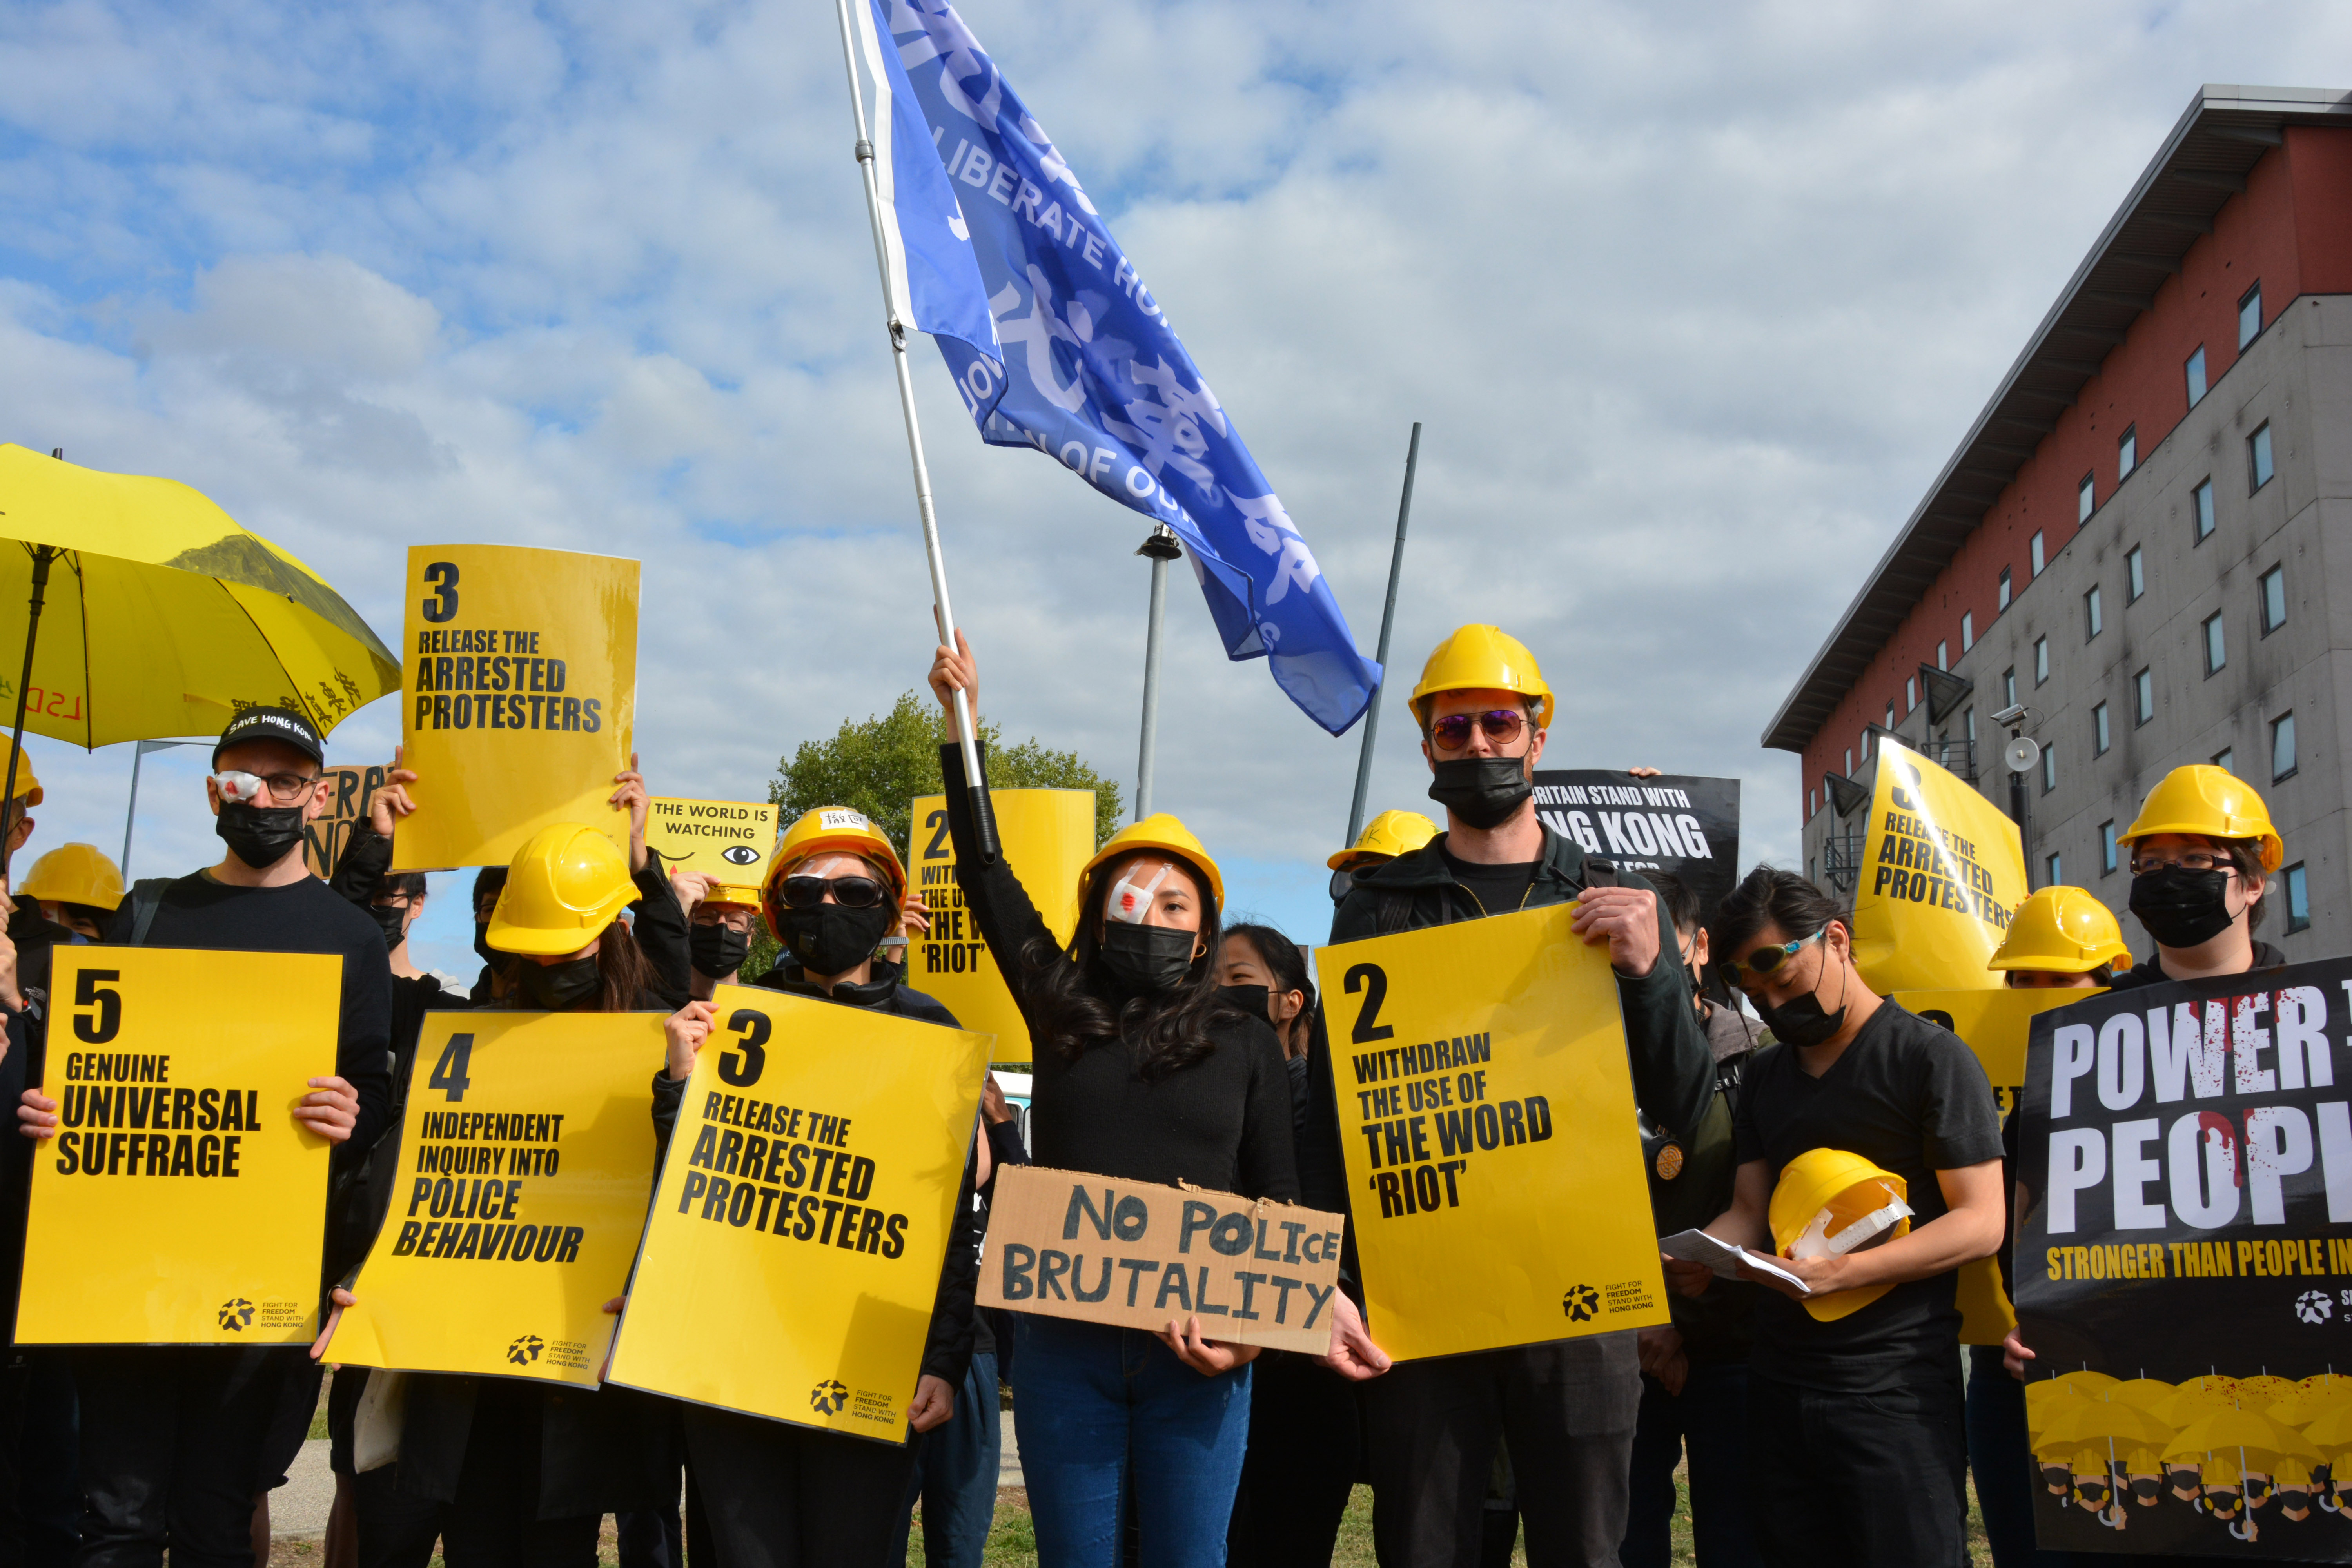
(449, 1072)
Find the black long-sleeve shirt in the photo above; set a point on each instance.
(1222, 1122)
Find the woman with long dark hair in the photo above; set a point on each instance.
(1143, 1071)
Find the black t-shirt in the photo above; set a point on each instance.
(1909, 1097)
(1499, 890)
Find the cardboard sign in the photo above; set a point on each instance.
(1486, 1112)
(1942, 872)
(1255, 1272)
(521, 669)
(181, 1203)
(1049, 837)
(1994, 1025)
(792, 1258)
(1675, 823)
(2185, 1155)
(349, 792)
(526, 1161)
(728, 839)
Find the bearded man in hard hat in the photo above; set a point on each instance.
(1566, 1409)
(1869, 1150)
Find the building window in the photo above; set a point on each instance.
(2135, 575)
(1849, 762)
(1968, 631)
(2200, 509)
(2258, 458)
(1809, 802)
(2041, 660)
(1943, 654)
(1809, 868)
(2008, 686)
(1890, 715)
(2085, 500)
(2057, 877)
(2127, 454)
(2003, 602)
(2049, 769)
(2034, 547)
(1969, 720)
(2226, 759)
(2099, 731)
(2281, 747)
(2250, 315)
(2107, 848)
(2196, 376)
(2273, 587)
(1910, 693)
(2216, 653)
(2298, 898)
(2143, 698)
(2092, 616)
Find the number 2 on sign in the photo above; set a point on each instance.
(1373, 982)
(449, 1073)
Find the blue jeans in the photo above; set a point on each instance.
(1711, 1416)
(1109, 1418)
(955, 1475)
(2002, 1465)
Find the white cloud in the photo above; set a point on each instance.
(1693, 301)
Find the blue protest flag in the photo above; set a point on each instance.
(1087, 369)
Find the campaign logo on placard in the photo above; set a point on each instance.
(1581, 1302)
(525, 1350)
(828, 1396)
(235, 1314)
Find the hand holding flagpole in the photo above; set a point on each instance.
(967, 734)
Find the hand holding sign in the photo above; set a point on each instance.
(331, 1110)
(391, 801)
(630, 797)
(1624, 918)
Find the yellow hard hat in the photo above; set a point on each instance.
(563, 888)
(1158, 831)
(1480, 657)
(2211, 803)
(2062, 930)
(29, 788)
(74, 874)
(1386, 836)
(839, 830)
(1824, 1193)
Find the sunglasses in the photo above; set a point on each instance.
(1502, 726)
(1341, 881)
(849, 892)
(1765, 960)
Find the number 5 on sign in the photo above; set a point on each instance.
(1494, 1163)
(180, 1202)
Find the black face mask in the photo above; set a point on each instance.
(1148, 957)
(1257, 1001)
(490, 955)
(1484, 791)
(718, 950)
(556, 987)
(258, 834)
(1802, 1020)
(830, 940)
(392, 919)
(2181, 908)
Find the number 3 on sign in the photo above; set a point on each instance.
(743, 1071)
(449, 1073)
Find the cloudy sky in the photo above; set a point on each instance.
(1692, 301)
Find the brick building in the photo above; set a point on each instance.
(2144, 537)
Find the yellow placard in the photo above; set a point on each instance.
(1048, 835)
(1942, 872)
(793, 1253)
(1487, 1110)
(181, 1203)
(519, 669)
(728, 839)
(526, 1162)
(1994, 1025)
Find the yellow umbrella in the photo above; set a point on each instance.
(2234, 1430)
(2331, 1430)
(2147, 1393)
(2086, 1381)
(2106, 1420)
(2308, 1404)
(150, 613)
(2195, 1397)
(2265, 1389)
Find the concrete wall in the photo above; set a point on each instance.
(2297, 376)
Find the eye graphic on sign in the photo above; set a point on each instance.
(739, 855)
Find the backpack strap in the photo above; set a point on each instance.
(146, 897)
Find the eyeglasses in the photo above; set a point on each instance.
(849, 892)
(286, 789)
(1502, 726)
(1341, 881)
(734, 919)
(1765, 960)
(2195, 860)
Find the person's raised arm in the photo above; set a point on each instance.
(1008, 920)
(1673, 1072)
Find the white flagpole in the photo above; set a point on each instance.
(983, 819)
